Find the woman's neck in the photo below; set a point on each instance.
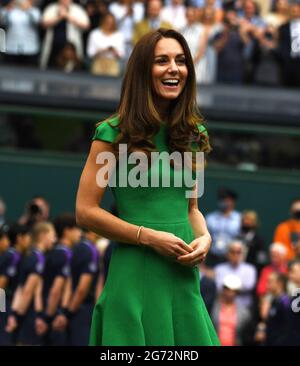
(162, 107)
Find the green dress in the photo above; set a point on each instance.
(148, 299)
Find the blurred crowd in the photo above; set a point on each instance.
(231, 41)
(53, 271)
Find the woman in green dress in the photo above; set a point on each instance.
(152, 293)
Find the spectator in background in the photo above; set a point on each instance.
(67, 59)
(279, 15)
(277, 315)
(10, 262)
(207, 69)
(208, 289)
(253, 25)
(268, 68)
(289, 47)
(236, 266)
(224, 225)
(127, 14)
(64, 21)
(195, 35)
(254, 244)
(36, 210)
(152, 20)
(21, 20)
(175, 14)
(288, 232)
(106, 48)
(278, 258)
(2, 211)
(84, 274)
(216, 5)
(231, 318)
(230, 45)
(96, 9)
(21, 321)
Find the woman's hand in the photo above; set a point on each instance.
(164, 243)
(200, 248)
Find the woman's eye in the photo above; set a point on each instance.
(160, 61)
(181, 61)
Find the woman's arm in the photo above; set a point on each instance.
(94, 218)
(202, 242)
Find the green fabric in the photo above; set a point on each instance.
(149, 299)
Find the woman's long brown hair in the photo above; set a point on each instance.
(139, 120)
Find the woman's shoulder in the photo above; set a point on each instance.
(107, 130)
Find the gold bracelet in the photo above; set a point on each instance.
(139, 234)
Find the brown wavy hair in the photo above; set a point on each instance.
(139, 119)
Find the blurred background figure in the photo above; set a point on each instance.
(275, 309)
(2, 211)
(278, 264)
(19, 238)
(106, 48)
(63, 21)
(231, 318)
(36, 210)
(21, 21)
(288, 47)
(288, 232)
(127, 14)
(67, 59)
(255, 252)
(224, 225)
(175, 14)
(230, 45)
(235, 265)
(151, 21)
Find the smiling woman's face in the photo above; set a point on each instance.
(169, 71)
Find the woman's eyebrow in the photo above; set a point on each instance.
(163, 55)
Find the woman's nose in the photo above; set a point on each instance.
(173, 66)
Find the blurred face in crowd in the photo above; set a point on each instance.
(65, 3)
(228, 295)
(43, 207)
(226, 204)
(249, 221)
(4, 243)
(295, 210)
(294, 273)
(48, 238)
(93, 237)
(24, 241)
(154, 8)
(249, 8)
(177, 2)
(73, 234)
(235, 253)
(191, 15)
(295, 11)
(277, 255)
(208, 15)
(169, 70)
(273, 285)
(109, 23)
(282, 6)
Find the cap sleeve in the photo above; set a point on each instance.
(202, 129)
(106, 131)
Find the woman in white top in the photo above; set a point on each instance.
(106, 43)
(21, 20)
